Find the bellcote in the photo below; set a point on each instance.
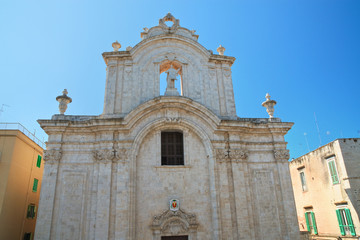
(133, 76)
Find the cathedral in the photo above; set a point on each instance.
(163, 166)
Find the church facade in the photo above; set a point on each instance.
(176, 166)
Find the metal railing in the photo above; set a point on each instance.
(21, 128)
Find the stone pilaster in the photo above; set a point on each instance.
(47, 196)
(103, 159)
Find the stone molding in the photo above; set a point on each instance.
(174, 223)
(107, 155)
(282, 155)
(52, 155)
(231, 155)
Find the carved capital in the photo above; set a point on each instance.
(222, 155)
(52, 155)
(282, 155)
(238, 155)
(103, 155)
(121, 155)
(231, 155)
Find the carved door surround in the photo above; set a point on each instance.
(174, 223)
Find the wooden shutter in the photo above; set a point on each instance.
(35, 185)
(341, 224)
(307, 222)
(333, 173)
(38, 163)
(350, 222)
(314, 223)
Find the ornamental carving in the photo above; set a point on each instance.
(121, 155)
(172, 120)
(233, 155)
(238, 155)
(104, 155)
(282, 154)
(174, 223)
(52, 155)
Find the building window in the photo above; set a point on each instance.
(332, 170)
(345, 221)
(310, 222)
(31, 211)
(303, 181)
(38, 163)
(28, 236)
(172, 148)
(35, 185)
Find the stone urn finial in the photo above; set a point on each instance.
(220, 50)
(63, 100)
(269, 104)
(116, 45)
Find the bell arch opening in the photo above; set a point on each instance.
(171, 79)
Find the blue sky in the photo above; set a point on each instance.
(306, 54)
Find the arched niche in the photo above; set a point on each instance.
(177, 68)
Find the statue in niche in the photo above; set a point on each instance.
(170, 79)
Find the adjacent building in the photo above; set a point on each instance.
(326, 185)
(178, 164)
(21, 168)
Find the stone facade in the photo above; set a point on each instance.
(324, 193)
(104, 177)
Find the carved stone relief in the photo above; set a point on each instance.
(282, 155)
(52, 155)
(105, 155)
(231, 155)
(175, 223)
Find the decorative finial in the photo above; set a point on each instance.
(63, 100)
(220, 50)
(269, 104)
(116, 45)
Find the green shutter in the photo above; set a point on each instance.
(341, 224)
(314, 223)
(38, 163)
(35, 185)
(349, 219)
(307, 222)
(333, 173)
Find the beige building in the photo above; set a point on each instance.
(172, 165)
(326, 185)
(21, 169)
